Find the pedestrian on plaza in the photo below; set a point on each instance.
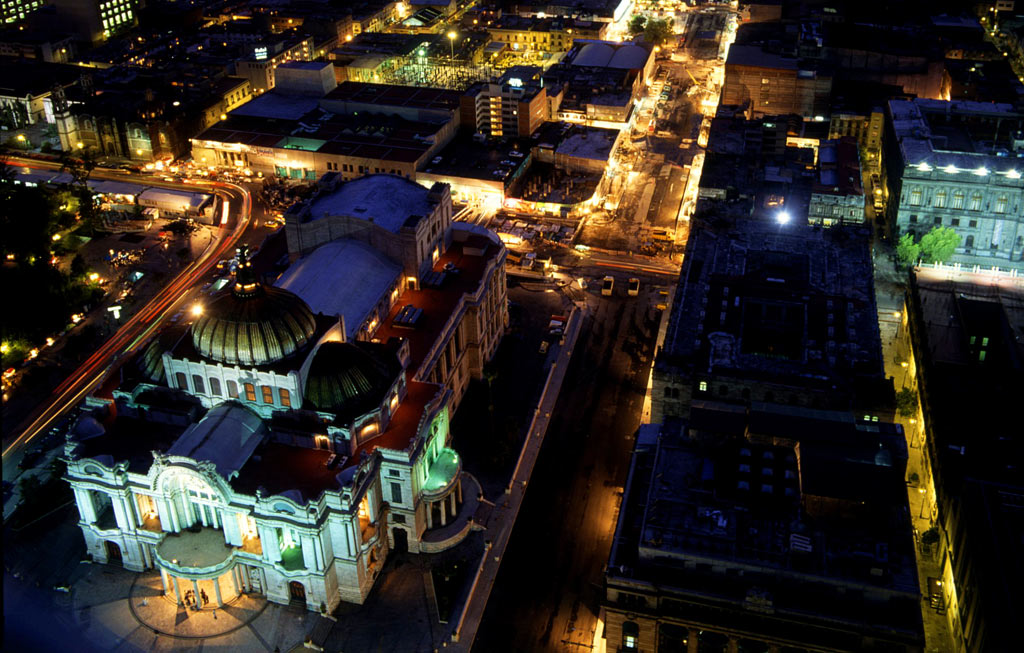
(202, 593)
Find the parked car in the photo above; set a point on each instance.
(607, 285)
(634, 287)
(544, 346)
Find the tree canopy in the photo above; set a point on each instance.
(939, 244)
(636, 24)
(907, 251)
(657, 31)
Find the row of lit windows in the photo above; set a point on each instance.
(940, 199)
(249, 390)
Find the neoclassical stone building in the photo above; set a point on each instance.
(267, 448)
(959, 165)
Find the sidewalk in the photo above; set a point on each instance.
(503, 516)
(896, 350)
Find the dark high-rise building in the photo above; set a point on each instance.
(769, 528)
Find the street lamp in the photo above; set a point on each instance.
(782, 217)
(451, 47)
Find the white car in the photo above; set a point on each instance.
(634, 287)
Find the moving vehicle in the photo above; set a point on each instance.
(607, 286)
(634, 287)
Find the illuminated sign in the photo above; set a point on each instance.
(515, 82)
(261, 53)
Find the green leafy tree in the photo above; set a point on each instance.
(939, 244)
(636, 24)
(657, 31)
(907, 251)
(906, 402)
(78, 267)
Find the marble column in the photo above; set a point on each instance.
(119, 513)
(234, 579)
(177, 589)
(198, 598)
(306, 545)
(454, 510)
(163, 580)
(444, 518)
(216, 592)
(459, 489)
(430, 514)
(147, 556)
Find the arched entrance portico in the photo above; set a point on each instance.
(297, 592)
(401, 540)
(113, 549)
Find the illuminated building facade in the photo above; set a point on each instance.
(959, 165)
(837, 197)
(97, 20)
(273, 446)
(514, 107)
(13, 11)
(260, 67)
(353, 129)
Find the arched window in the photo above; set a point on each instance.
(250, 392)
(214, 386)
(1001, 202)
(915, 197)
(197, 381)
(630, 636)
(268, 394)
(940, 199)
(975, 201)
(232, 389)
(958, 199)
(179, 377)
(286, 397)
(970, 242)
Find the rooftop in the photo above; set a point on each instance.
(343, 277)
(796, 302)
(418, 97)
(957, 136)
(388, 201)
(738, 502)
(462, 269)
(226, 436)
(588, 143)
(307, 127)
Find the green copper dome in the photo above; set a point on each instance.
(251, 324)
(344, 378)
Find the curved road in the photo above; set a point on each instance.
(139, 326)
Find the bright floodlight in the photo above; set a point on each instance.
(197, 310)
(452, 35)
(782, 217)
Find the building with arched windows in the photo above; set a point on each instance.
(959, 165)
(274, 448)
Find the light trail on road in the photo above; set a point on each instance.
(92, 372)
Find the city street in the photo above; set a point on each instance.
(549, 587)
(136, 328)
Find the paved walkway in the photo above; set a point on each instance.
(119, 610)
(503, 517)
(896, 348)
(159, 611)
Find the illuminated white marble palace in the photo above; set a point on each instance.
(287, 439)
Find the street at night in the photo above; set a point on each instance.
(645, 326)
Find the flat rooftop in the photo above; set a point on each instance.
(389, 201)
(963, 134)
(312, 129)
(736, 503)
(418, 97)
(465, 157)
(795, 301)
